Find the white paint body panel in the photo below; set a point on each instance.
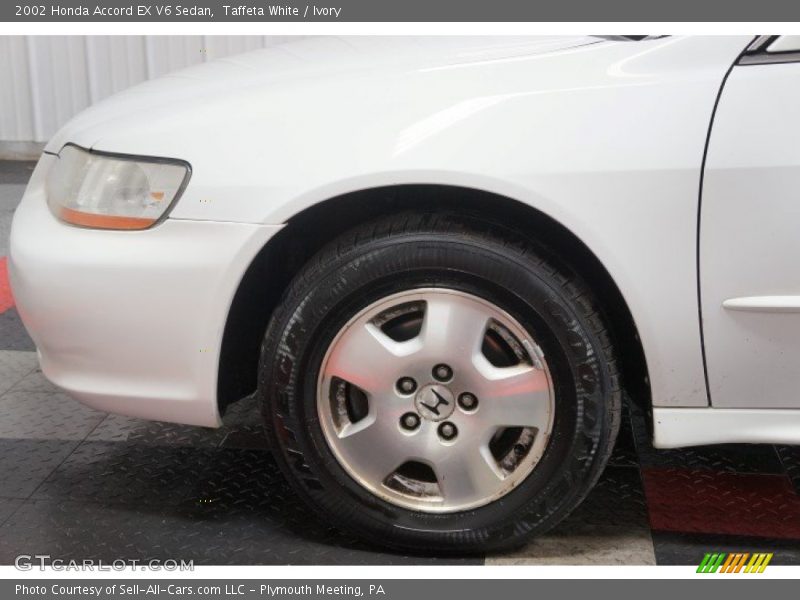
(679, 427)
(129, 322)
(750, 241)
(605, 137)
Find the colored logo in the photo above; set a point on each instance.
(734, 563)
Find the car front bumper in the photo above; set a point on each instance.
(129, 322)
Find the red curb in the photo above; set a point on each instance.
(6, 299)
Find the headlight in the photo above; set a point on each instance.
(113, 192)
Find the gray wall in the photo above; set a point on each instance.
(45, 80)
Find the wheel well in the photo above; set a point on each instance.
(306, 233)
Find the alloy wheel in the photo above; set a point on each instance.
(435, 400)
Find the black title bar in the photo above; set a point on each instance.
(401, 10)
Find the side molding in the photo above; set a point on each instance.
(766, 304)
(678, 427)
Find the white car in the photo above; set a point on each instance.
(438, 263)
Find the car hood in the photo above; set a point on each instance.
(290, 63)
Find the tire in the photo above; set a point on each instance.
(452, 259)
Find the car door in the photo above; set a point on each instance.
(749, 247)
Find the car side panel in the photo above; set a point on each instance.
(750, 241)
(606, 138)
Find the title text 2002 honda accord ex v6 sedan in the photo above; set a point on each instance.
(437, 262)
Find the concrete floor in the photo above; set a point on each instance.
(13, 177)
(77, 483)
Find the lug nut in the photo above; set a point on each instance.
(442, 372)
(447, 431)
(409, 421)
(468, 401)
(406, 385)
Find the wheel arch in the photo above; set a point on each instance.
(305, 233)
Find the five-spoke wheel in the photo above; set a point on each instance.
(435, 400)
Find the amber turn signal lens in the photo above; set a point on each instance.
(83, 219)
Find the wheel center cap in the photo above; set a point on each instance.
(434, 402)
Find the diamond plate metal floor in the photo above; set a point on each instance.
(76, 483)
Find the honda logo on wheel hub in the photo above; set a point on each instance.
(434, 402)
